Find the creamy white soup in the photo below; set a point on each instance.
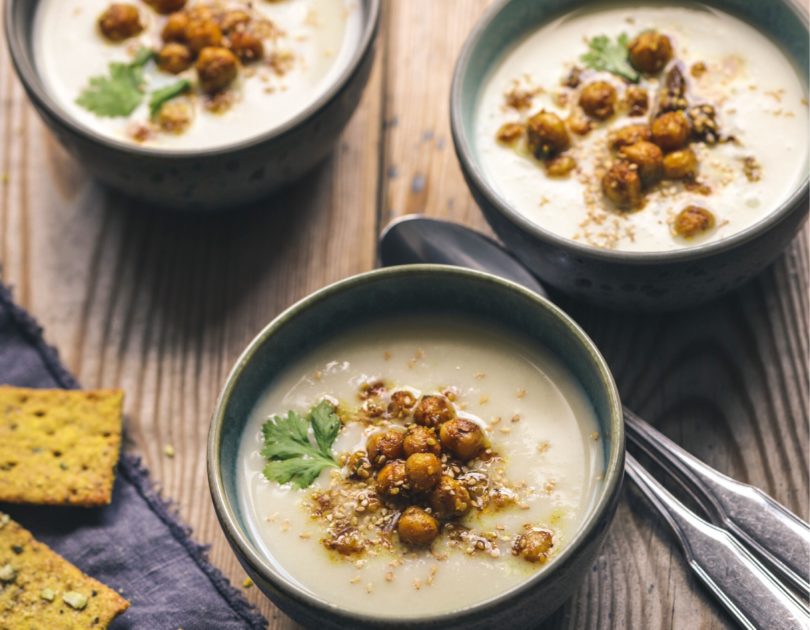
(742, 106)
(519, 490)
(279, 57)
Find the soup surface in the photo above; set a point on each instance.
(303, 47)
(539, 474)
(742, 102)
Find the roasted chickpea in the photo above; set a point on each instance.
(431, 411)
(647, 157)
(511, 132)
(385, 446)
(424, 471)
(120, 22)
(202, 34)
(174, 58)
(650, 52)
(200, 12)
(637, 100)
(417, 528)
(598, 99)
(175, 28)
(373, 407)
(175, 116)
(681, 164)
(392, 481)
(165, 7)
(246, 46)
(401, 403)
(560, 166)
(450, 499)
(622, 185)
(579, 123)
(358, 465)
(693, 220)
(671, 130)
(216, 69)
(463, 438)
(534, 545)
(347, 542)
(625, 136)
(420, 439)
(233, 19)
(547, 134)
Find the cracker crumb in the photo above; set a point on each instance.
(247, 582)
(169, 451)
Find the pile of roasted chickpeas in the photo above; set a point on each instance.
(409, 465)
(644, 153)
(213, 41)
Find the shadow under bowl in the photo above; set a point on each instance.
(209, 179)
(648, 281)
(415, 289)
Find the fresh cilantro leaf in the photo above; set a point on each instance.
(300, 472)
(325, 426)
(285, 437)
(609, 56)
(292, 457)
(164, 94)
(120, 92)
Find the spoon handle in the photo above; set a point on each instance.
(753, 596)
(779, 537)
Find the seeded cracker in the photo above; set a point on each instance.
(59, 447)
(40, 589)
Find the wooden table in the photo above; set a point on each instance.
(162, 304)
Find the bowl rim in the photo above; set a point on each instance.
(25, 66)
(476, 177)
(238, 537)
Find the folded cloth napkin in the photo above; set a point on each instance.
(134, 545)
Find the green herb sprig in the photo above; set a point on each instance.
(609, 56)
(293, 457)
(120, 92)
(163, 95)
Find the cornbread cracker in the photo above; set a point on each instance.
(40, 589)
(59, 447)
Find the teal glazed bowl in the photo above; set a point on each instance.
(413, 289)
(648, 281)
(209, 179)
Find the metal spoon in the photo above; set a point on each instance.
(781, 538)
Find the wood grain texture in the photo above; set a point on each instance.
(161, 305)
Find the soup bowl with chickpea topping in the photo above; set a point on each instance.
(420, 446)
(646, 155)
(195, 103)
